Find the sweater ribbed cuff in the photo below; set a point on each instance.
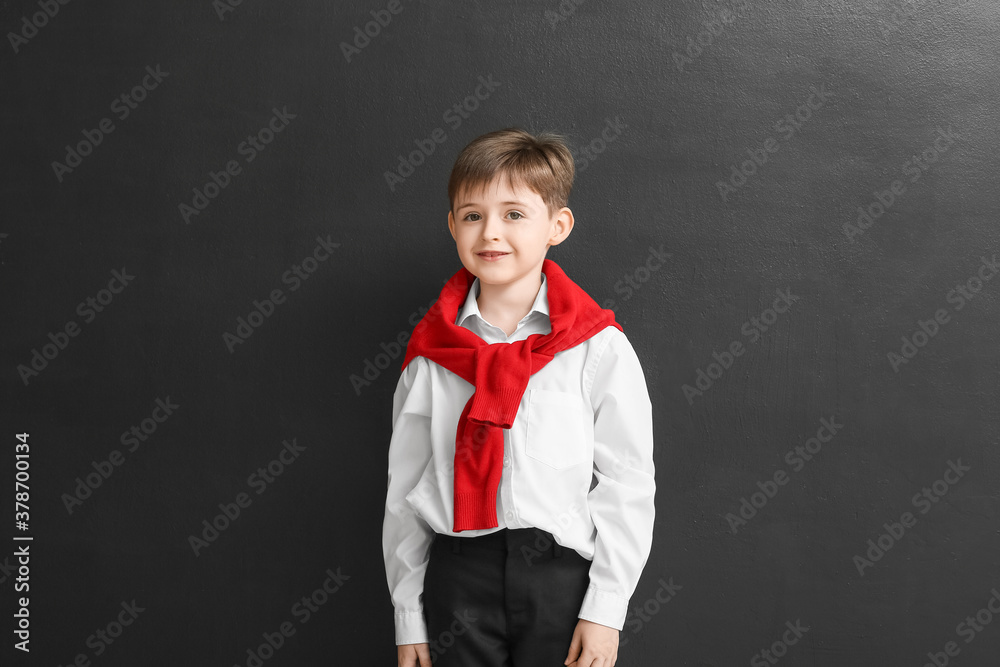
(476, 509)
(497, 407)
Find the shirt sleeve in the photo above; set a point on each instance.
(621, 503)
(406, 537)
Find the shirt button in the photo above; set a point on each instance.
(509, 515)
(506, 460)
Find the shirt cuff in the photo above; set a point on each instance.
(604, 608)
(411, 628)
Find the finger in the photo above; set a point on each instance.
(423, 656)
(574, 650)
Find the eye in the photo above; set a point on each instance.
(517, 213)
(470, 216)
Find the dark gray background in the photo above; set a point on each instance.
(896, 72)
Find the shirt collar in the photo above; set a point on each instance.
(471, 307)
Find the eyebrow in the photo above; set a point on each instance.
(503, 203)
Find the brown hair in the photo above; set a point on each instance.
(541, 162)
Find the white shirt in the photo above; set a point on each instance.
(578, 463)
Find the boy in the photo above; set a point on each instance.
(519, 505)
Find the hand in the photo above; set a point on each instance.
(414, 655)
(593, 645)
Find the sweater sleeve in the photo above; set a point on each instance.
(406, 537)
(621, 503)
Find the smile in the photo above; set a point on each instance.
(492, 256)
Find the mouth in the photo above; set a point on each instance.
(492, 255)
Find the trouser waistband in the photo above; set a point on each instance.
(501, 540)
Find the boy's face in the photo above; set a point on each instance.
(502, 234)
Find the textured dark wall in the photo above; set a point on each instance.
(824, 108)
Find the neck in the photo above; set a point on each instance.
(508, 303)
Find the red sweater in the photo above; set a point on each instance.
(500, 373)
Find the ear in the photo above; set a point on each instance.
(451, 225)
(562, 225)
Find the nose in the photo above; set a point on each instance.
(491, 227)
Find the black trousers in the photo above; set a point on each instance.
(506, 599)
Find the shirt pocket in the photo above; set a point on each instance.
(556, 432)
